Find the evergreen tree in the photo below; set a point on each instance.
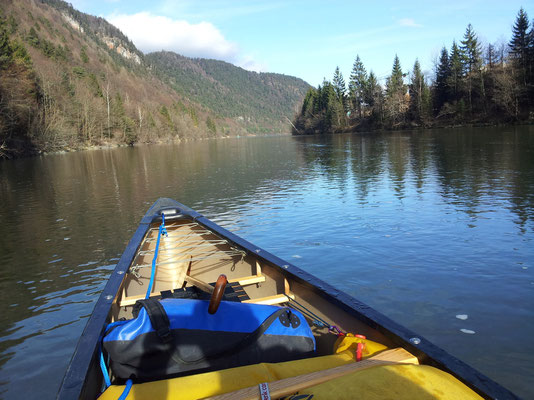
(329, 104)
(341, 108)
(357, 86)
(374, 97)
(308, 103)
(395, 83)
(6, 51)
(442, 78)
(305, 122)
(371, 90)
(212, 128)
(340, 89)
(339, 84)
(521, 50)
(83, 55)
(471, 52)
(396, 103)
(456, 73)
(418, 89)
(520, 42)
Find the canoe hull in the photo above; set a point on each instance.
(83, 377)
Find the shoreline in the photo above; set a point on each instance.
(108, 146)
(368, 129)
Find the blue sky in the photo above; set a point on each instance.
(308, 39)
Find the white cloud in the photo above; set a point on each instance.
(409, 22)
(250, 63)
(151, 32)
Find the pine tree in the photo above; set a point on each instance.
(456, 68)
(396, 103)
(308, 103)
(395, 83)
(329, 104)
(339, 84)
(521, 48)
(341, 106)
(442, 78)
(305, 121)
(418, 88)
(471, 51)
(520, 42)
(374, 97)
(357, 85)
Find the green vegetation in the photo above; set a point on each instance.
(83, 55)
(106, 92)
(211, 126)
(471, 84)
(19, 93)
(260, 100)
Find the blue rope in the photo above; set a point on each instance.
(126, 390)
(161, 230)
(103, 366)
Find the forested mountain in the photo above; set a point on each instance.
(472, 84)
(71, 80)
(232, 91)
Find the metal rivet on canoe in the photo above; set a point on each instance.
(415, 340)
(109, 297)
(285, 266)
(120, 272)
(258, 250)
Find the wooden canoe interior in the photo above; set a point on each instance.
(192, 250)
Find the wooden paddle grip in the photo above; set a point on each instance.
(217, 294)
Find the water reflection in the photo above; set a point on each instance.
(467, 166)
(423, 225)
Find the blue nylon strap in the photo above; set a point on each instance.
(164, 231)
(126, 390)
(161, 230)
(104, 368)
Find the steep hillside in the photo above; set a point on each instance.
(264, 99)
(71, 80)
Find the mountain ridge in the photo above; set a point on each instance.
(94, 87)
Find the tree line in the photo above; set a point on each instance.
(472, 83)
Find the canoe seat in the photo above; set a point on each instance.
(233, 292)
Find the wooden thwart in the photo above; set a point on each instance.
(270, 300)
(288, 386)
(275, 299)
(248, 280)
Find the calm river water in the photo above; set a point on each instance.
(433, 228)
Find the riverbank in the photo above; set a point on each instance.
(113, 145)
(370, 128)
